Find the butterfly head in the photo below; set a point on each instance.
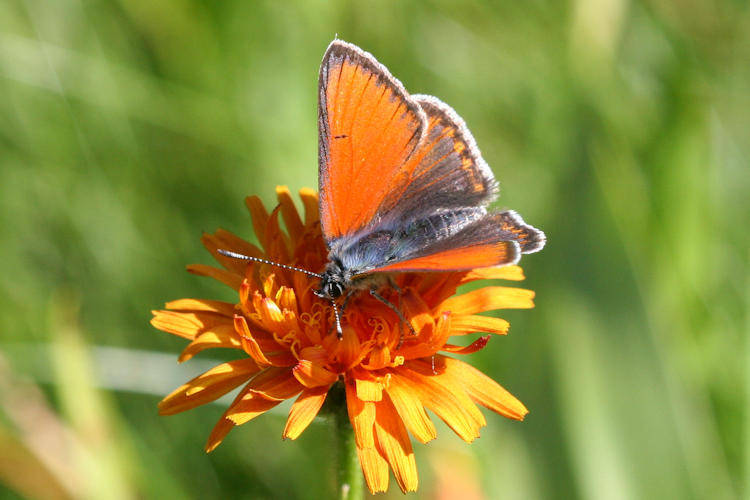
(336, 279)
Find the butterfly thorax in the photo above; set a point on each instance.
(334, 282)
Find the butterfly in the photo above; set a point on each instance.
(403, 186)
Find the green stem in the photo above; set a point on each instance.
(350, 484)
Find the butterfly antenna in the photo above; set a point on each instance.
(240, 256)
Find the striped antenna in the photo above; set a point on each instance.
(240, 256)
(336, 313)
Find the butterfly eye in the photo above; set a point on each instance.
(334, 290)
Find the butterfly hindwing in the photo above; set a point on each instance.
(456, 240)
(481, 242)
(528, 237)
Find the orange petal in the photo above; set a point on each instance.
(286, 298)
(269, 388)
(249, 344)
(275, 239)
(177, 323)
(394, 445)
(362, 417)
(304, 285)
(270, 313)
(416, 309)
(282, 358)
(229, 240)
(489, 298)
(274, 320)
(208, 386)
(304, 411)
(187, 324)
(368, 389)
(218, 433)
(411, 411)
(224, 240)
(217, 306)
(442, 331)
(374, 468)
(475, 346)
(268, 276)
(245, 301)
(289, 213)
(346, 351)
(445, 398)
(275, 383)
(223, 336)
(483, 389)
(466, 324)
(224, 425)
(259, 216)
(310, 201)
(513, 273)
(249, 407)
(230, 279)
(315, 353)
(431, 339)
(312, 374)
(436, 287)
(379, 357)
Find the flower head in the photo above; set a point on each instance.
(290, 349)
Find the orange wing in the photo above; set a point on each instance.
(384, 154)
(498, 253)
(368, 128)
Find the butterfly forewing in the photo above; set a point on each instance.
(368, 128)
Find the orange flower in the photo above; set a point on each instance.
(390, 375)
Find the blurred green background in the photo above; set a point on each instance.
(620, 128)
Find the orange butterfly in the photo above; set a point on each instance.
(403, 186)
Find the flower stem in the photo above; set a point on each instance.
(350, 484)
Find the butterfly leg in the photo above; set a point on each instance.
(395, 309)
(337, 317)
(392, 283)
(346, 301)
(338, 314)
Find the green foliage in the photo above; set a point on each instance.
(620, 128)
